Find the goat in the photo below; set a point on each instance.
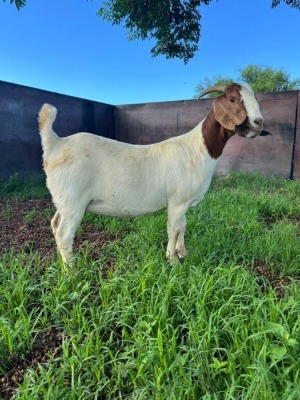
(91, 173)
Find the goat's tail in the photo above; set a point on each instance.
(47, 116)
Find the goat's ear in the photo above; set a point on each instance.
(227, 113)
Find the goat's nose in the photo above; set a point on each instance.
(259, 122)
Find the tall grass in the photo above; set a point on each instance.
(203, 329)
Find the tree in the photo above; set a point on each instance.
(268, 79)
(19, 3)
(173, 24)
(262, 79)
(291, 3)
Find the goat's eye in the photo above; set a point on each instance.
(232, 100)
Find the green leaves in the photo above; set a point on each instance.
(218, 365)
(279, 348)
(277, 352)
(19, 3)
(262, 79)
(174, 24)
(291, 3)
(282, 334)
(268, 79)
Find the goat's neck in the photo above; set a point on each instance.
(215, 135)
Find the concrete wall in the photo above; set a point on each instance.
(297, 140)
(270, 155)
(153, 122)
(20, 149)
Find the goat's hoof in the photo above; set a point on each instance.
(182, 253)
(173, 260)
(69, 267)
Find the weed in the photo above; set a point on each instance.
(126, 325)
(7, 212)
(24, 187)
(31, 216)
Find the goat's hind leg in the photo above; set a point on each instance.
(55, 222)
(64, 231)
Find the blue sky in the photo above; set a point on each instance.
(64, 47)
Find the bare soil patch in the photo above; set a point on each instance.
(25, 226)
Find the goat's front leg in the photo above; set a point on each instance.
(176, 229)
(180, 246)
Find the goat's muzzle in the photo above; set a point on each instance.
(265, 133)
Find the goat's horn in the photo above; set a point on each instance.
(216, 88)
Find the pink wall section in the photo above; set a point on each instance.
(269, 155)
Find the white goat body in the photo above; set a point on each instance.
(86, 172)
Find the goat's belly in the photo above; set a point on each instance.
(200, 194)
(100, 207)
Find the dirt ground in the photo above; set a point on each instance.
(25, 226)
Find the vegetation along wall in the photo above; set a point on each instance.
(20, 149)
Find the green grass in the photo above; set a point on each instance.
(203, 329)
(23, 187)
